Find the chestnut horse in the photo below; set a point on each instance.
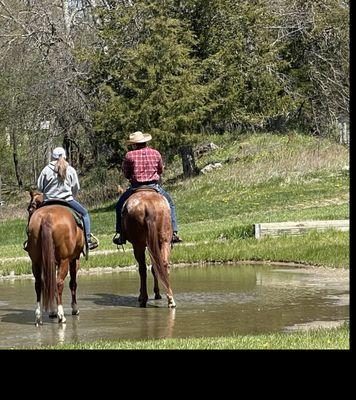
(146, 222)
(54, 245)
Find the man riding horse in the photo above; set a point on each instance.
(143, 167)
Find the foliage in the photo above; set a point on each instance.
(99, 70)
(145, 76)
(216, 212)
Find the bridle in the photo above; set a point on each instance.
(33, 206)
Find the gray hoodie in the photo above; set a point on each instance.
(52, 188)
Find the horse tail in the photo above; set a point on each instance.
(49, 282)
(155, 251)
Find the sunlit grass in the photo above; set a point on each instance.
(264, 178)
(329, 248)
(316, 339)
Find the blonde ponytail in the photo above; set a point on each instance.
(61, 168)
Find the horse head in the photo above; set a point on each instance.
(36, 200)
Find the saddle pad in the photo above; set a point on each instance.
(145, 188)
(76, 215)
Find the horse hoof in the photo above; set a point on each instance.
(38, 323)
(158, 297)
(75, 312)
(52, 315)
(143, 305)
(62, 320)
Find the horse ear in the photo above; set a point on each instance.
(32, 192)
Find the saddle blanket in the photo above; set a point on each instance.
(77, 216)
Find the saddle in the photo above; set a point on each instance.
(144, 188)
(78, 218)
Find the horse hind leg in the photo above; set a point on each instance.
(38, 311)
(165, 252)
(155, 285)
(74, 266)
(62, 273)
(139, 253)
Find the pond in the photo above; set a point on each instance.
(212, 300)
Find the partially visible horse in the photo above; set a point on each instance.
(146, 222)
(54, 245)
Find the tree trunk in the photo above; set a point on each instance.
(16, 160)
(188, 161)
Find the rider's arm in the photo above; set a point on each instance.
(160, 166)
(74, 181)
(127, 167)
(41, 181)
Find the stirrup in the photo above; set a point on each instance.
(93, 242)
(118, 240)
(176, 239)
(24, 246)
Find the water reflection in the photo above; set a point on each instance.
(211, 300)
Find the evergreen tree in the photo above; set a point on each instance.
(145, 76)
(241, 63)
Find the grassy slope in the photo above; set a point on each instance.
(264, 178)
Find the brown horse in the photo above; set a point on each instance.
(146, 221)
(55, 243)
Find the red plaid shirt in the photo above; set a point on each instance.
(142, 165)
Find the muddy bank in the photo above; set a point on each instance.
(106, 270)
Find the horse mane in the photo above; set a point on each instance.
(35, 201)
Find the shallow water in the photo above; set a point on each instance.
(211, 301)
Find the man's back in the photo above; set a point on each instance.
(143, 165)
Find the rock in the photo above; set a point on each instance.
(210, 167)
(205, 148)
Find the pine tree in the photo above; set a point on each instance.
(146, 76)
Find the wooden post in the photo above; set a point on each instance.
(298, 228)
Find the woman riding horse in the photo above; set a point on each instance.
(55, 244)
(59, 180)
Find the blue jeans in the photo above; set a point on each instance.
(129, 192)
(84, 212)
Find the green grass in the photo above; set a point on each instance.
(316, 339)
(329, 248)
(264, 178)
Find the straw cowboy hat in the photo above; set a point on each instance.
(139, 137)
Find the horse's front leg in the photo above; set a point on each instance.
(61, 275)
(74, 266)
(139, 252)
